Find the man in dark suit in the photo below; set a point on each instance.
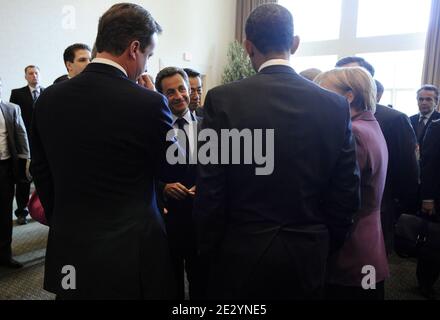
(76, 58)
(196, 85)
(25, 97)
(428, 270)
(268, 235)
(178, 197)
(99, 143)
(400, 194)
(14, 152)
(427, 99)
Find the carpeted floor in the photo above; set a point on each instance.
(29, 248)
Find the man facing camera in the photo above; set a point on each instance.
(14, 152)
(196, 86)
(269, 236)
(76, 58)
(179, 195)
(427, 99)
(95, 162)
(25, 98)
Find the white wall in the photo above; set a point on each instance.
(33, 32)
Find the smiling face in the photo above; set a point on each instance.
(177, 92)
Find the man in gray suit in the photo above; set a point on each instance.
(14, 153)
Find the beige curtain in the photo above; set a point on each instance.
(244, 8)
(431, 68)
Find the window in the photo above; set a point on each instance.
(323, 63)
(379, 17)
(310, 15)
(390, 34)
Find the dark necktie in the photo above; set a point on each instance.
(420, 127)
(182, 136)
(35, 95)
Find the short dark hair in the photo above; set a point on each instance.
(360, 61)
(69, 53)
(429, 87)
(192, 73)
(30, 67)
(122, 24)
(270, 28)
(379, 86)
(169, 72)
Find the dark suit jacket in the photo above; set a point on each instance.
(401, 188)
(18, 144)
(430, 160)
(61, 79)
(24, 99)
(415, 121)
(99, 143)
(269, 236)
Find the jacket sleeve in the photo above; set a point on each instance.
(342, 198)
(40, 168)
(430, 160)
(404, 173)
(21, 138)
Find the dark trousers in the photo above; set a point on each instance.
(6, 199)
(335, 292)
(22, 191)
(427, 272)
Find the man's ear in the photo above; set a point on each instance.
(68, 66)
(249, 46)
(295, 44)
(133, 49)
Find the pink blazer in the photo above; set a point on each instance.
(365, 245)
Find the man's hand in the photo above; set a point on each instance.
(428, 207)
(192, 191)
(176, 191)
(146, 81)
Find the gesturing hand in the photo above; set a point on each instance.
(176, 191)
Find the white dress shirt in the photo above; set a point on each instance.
(190, 128)
(110, 63)
(32, 89)
(4, 150)
(426, 119)
(275, 62)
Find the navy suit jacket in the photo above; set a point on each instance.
(24, 99)
(415, 121)
(99, 144)
(250, 224)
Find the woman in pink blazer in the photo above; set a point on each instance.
(359, 269)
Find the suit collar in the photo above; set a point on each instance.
(278, 69)
(104, 68)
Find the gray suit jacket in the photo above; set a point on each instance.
(18, 143)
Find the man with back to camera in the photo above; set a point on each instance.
(427, 99)
(76, 58)
(25, 98)
(14, 153)
(401, 187)
(269, 236)
(96, 184)
(178, 197)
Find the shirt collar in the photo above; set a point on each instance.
(275, 62)
(110, 63)
(187, 116)
(37, 88)
(427, 116)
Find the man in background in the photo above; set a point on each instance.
(25, 98)
(76, 58)
(196, 87)
(14, 153)
(178, 196)
(427, 100)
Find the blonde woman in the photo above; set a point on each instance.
(359, 269)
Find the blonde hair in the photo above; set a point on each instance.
(354, 79)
